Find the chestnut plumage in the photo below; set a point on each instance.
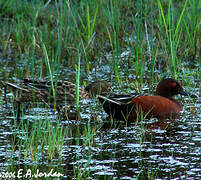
(162, 105)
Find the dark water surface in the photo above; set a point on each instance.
(122, 152)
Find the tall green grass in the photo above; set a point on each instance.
(77, 68)
(88, 27)
(30, 139)
(192, 29)
(113, 18)
(173, 31)
(85, 138)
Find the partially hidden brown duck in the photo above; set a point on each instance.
(35, 90)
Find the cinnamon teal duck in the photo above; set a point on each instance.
(162, 105)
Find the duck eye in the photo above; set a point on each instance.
(174, 84)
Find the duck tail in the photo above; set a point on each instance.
(115, 107)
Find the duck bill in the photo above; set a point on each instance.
(184, 93)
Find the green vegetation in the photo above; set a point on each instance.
(37, 137)
(163, 33)
(141, 41)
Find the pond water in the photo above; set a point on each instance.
(99, 149)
